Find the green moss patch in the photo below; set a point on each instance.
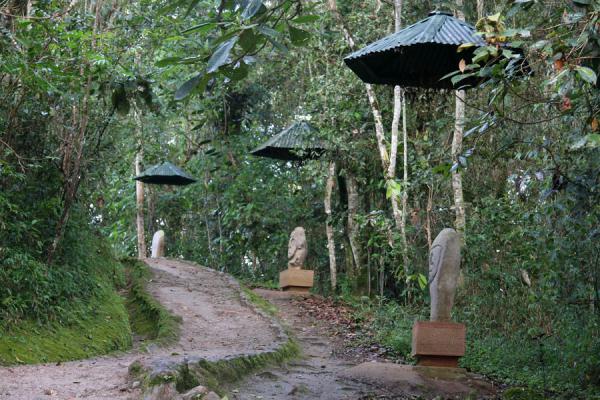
(98, 327)
(148, 317)
(260, 302)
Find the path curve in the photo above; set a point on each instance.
(217, 323)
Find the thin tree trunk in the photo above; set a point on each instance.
(139, 205)
(480, 9)
(404, 187)
(328, 227)
(353, 206)
(457, 139)
(400, 110)
(429, 210)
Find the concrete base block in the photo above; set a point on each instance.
(438, 344)
(300, 280)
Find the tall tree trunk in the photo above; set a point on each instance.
(459, 124)
(139, 187)
(400, 111)
(353, 206)
(328, 227)
(139, 205)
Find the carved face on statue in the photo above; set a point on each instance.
(297, 248)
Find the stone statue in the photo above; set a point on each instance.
(444, 269)
(297, 248)
(158, 244)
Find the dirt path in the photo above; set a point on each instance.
(216, 323)
(316, 375)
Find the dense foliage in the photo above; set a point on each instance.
(199, 83)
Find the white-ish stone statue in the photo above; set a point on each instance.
(444, 270)
(158, 244)
(297, 248)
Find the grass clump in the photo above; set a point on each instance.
(147, 316)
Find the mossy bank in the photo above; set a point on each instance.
(65, 311)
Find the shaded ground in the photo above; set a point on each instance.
(333, 367)
(216, 323)
(316, 375)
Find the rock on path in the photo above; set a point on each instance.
(215, 323)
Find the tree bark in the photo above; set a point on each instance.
(139, 188)
(139, 205)
(459, 124)
(400, 111)
(328, 227)
(353, 206)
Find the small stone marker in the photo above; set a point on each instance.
(440, 342)
(158, 244)
(295, 278)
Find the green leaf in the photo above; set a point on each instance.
(422, 281)
(198, 82)
(248, 40)
(278, 45)
(236, 73)
(586, 74)
(201, 28)
(168, 61)
(250, 8)
(298, 37)
(221, 55)
(268, 32)
(305, 19)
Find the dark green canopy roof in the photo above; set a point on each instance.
(418, 55)
(165, 174)
(298, 141)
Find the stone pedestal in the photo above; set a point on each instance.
(438, 344)
(294, 279)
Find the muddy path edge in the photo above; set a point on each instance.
(171, 379)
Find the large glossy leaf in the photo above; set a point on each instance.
(221, 55)
(198, 82)
(250, 8)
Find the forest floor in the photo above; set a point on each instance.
(218, 324)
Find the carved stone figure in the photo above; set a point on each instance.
(297, 248)
(158, 244)
(444, 269)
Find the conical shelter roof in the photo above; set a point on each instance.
(418, 55)
(298, 141)
(165, 174)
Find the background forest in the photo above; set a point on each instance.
(89, 87)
